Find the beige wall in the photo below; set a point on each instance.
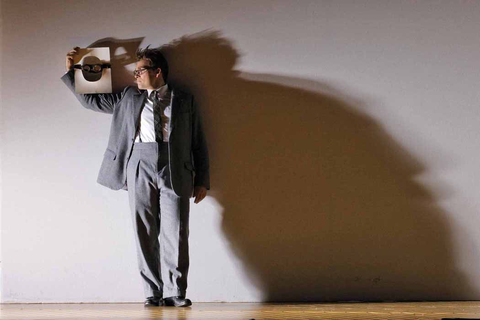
(343, 138)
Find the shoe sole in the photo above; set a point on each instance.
(178, 305)
(154, 305)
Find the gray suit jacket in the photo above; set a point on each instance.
(188, 154)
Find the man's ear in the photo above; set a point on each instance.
(159, 73)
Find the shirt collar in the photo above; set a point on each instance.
(163, 90)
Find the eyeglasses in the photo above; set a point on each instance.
(138, 72)
(92, 68)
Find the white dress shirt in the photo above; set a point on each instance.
(146, 129)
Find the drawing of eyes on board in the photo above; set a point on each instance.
(93, 72)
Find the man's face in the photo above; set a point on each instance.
(146, 77)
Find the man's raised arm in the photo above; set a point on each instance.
(104, 102)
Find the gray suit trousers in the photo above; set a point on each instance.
(160, 221)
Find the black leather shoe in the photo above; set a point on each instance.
(153, 302)
(177, 302)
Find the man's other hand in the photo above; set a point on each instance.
(69, 58)
(199, 192)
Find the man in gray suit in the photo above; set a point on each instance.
(157, 151)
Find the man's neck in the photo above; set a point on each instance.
(162, 84)
(162, 90)
(156, 87)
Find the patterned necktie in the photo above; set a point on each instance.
(157, 116)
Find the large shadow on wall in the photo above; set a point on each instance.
(320, 203)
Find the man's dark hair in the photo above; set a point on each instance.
(156, 59)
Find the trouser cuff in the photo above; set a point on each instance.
(174, 293)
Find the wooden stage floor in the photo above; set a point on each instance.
(245, 311)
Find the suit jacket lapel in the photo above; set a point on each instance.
(174, 105)
(138, 103)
